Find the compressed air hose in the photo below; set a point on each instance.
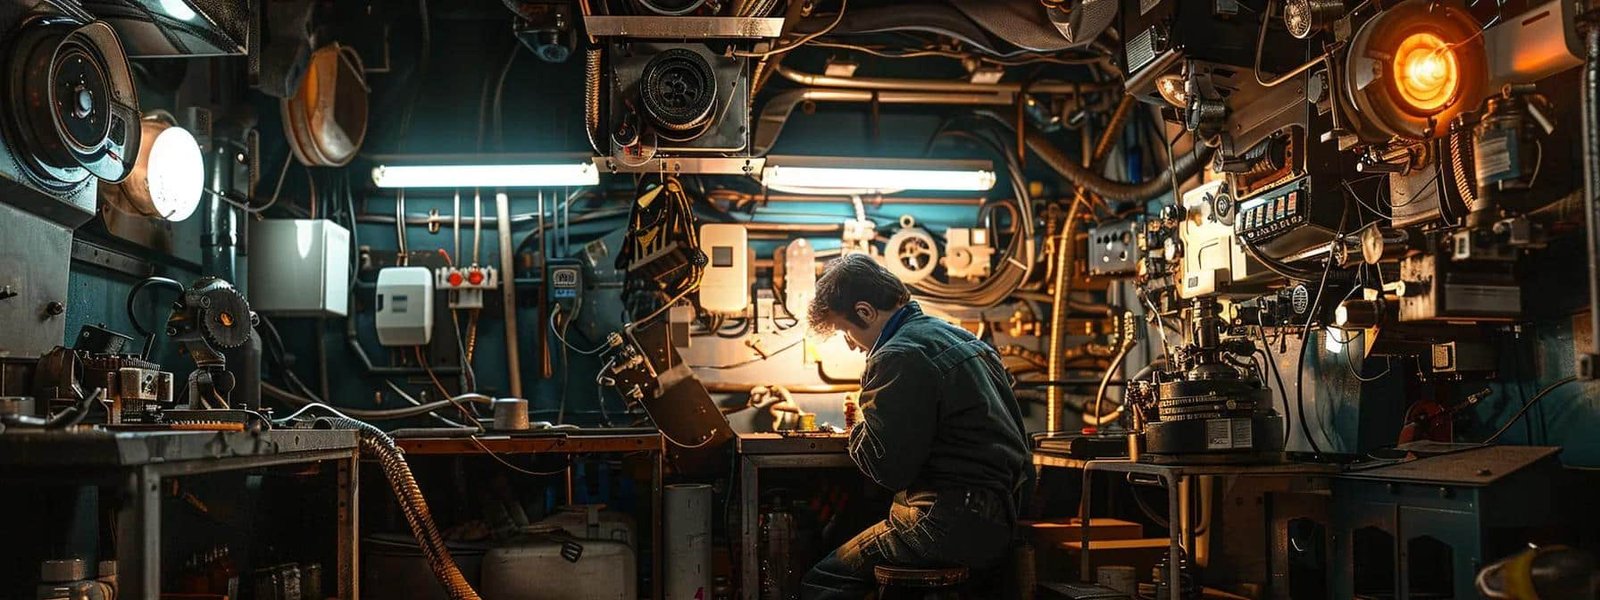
(377, 444)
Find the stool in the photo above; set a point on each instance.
(904, 583)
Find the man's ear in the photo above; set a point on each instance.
(866, 311)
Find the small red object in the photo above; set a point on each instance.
(455, 279)
(475, 277)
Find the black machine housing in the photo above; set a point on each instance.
(676, 99)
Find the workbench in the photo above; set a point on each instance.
(567, 442)
(136, 462)
(759, 451)
(1176, 478)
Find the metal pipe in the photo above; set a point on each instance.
(502, 205)
(777, 110)
(455, 226)
(477, 224)
(1588, 366)
(937, 85)
(740, 198)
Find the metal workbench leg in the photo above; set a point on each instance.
(349, 475)
(139, 536)
(658, 573)
(749, 509)
(1175, 527)
(1083, 527)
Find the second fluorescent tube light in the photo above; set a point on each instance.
(877, 180)
(485, 176)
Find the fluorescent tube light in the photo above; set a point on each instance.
(485, 176)
(877, 180)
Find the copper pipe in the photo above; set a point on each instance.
(936, 85)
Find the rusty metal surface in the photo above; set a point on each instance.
(772, 443)
(536, 444)
(45, 449)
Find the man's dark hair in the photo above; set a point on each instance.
(850, 279)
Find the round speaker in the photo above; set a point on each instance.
(678, 91)
(71, 102)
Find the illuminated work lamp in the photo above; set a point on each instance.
(1412, 68)
(167, 178)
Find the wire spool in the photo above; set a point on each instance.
(911, 253)
(678, 91)
(326, 120)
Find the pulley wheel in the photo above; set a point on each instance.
(911, 255)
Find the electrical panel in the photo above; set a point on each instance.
(300, 268)
(725, 286)
(1114, 249)
(466, 284)
(564, 283)
(405, 306)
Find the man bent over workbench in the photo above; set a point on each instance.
(939, 426)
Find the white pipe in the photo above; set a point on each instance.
(688, 541)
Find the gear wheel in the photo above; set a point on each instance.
(224, 315)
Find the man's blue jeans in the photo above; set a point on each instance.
(924, 529)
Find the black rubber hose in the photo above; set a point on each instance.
(377, 444)
(1186, 166)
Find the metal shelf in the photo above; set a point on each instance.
(683, 27)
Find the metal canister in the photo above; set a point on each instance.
(808, 422)
(850, 409)
(510, 414)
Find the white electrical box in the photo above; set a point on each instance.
(1213, 262)
(799, 277)
(299, 268)
(725, 286)
(405, 306)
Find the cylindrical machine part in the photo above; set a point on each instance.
(1306, 17)
(502, 207)
(1357, 313)
(63, 571)
(688, 541)
(511, 414)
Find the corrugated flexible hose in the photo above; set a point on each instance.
(377, 444)
(591, 98)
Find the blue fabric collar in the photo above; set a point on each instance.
(895, 321)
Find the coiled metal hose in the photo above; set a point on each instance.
(376, 443)
(591, 98)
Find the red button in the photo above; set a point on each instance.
(475, 277)
(455, 279)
